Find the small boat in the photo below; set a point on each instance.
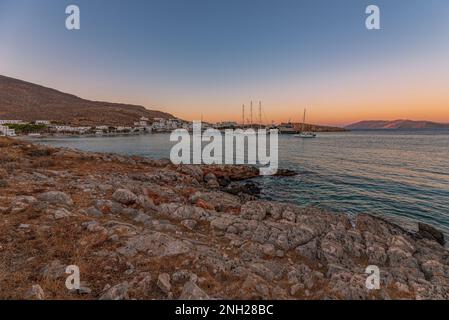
(305, 134)
(287, 128)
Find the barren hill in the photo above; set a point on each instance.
(27, 101)
(397, 124)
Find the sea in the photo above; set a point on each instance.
(392, 173)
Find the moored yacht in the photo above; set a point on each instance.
(305, 134)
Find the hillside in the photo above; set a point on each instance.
(27, 101)
(397, 124)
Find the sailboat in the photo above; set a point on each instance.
(250, 121)
(305, 134)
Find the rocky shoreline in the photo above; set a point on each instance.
(139, 228)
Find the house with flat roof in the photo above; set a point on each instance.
(7, 132)
(3, 122)
(45, 122)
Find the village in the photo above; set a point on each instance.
(37, 128)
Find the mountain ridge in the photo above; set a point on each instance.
(22, 100)
(396, 124)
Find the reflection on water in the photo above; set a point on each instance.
(399, 173)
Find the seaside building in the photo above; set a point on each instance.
(161, 124)
(188, 126)
(2, 122)
(7, 132)
(44, 122)
(226, 125)
(122, 129)
(143, 122)
(69, 129)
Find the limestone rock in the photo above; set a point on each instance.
(35, 293)
(163, 282)
(117, 292)
(56, 198)
(191, 291)
(124, 196)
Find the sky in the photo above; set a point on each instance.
(205, 58)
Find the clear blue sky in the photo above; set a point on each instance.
(193, 57)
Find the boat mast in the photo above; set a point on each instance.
(251, 116)
(243, 116)
(303, 120)
(260, 115)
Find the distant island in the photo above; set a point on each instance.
(396, 124)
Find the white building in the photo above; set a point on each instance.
(5, 131)
(45, 122)
(2, 122)
(226, 124)
(121, 128)
(188, 126)
(143, 122)
(161, 124)
(71, 129)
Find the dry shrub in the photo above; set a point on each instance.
(43, 163)
(3, 183)
(7, 142)
(3, 173)
(8, 157)
(37, 152)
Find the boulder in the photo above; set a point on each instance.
(191, 291)
(398, 257)
(124, 196)
(254, 210)
(255, 287)
(210, 177)
(221, 223)
(237, 188)
(194, 171)
(433, 268)
(428, 232)
(35, 293)
(308, 250)
(117, 292)
(94, 212)
(189, 224)
(155, 244)
(376, 255)
(21, 203)
(56, 198)
(163, 282)
(60, 213)
(108, 206)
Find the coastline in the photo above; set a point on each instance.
(147, 229)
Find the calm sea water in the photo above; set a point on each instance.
(395, 173)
